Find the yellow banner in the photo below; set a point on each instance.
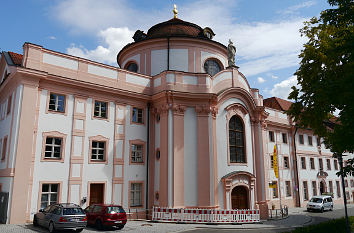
(275, 163)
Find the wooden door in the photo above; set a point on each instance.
(96, 194)
(239, 198)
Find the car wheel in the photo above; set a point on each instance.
(79, 230)
(331, 209)
(322, 210)
(308, 210)
(35, 221)
(99, 225)
(51, 227)
(120, 227)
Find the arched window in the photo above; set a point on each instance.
(236, 140)
(132, 66)
(212, 67)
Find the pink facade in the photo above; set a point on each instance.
(173, 127)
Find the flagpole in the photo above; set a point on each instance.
(276, 146)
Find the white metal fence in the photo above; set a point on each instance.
(204, 215)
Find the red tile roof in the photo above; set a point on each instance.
(277, 103)
(16, 58)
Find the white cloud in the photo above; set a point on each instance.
(294, 8)
(114, 39)
(52, 37)
(274, 77)
(260, 80)
(283, 89)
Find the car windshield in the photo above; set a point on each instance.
(73, 211)
(115, 209)
(316, 200)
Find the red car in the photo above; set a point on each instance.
(106, 215)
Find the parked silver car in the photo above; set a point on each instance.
(64, 216)
(320, 203)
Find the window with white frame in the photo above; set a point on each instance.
(335, 165)
(100, 109)
(271, 136)
(138, 115)
(285, 138)
(275, 189)
(309, 138)
(53, 148)
(136, 194)
(328, 164)
(49, 194)
(314, 188)
(288, 188)
(137, 153)
(56, 102)
(330, 184)
(286, 162)
(98, 151)
(338, 189)
(301, 139)
(306, 194)
(312, 163)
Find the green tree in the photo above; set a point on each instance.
(326, 79)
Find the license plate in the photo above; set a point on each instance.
(118, 222)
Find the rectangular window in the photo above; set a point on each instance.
(4, 146)
(53, 148)
(338, 189)
(346, 183)
(335, 165)
(303, 162)
(312, 163)
(275, 190)
(271, 136)
(49, 194)
(306, 195)
(98, 151)
(318, 141)
(137, 115)
(286, 162)
(285, 138)
(136, 195)
(137, 153)
(301, 139)
(330, 186)
(310, 140)
(352, 183)
(100, 109)
(56, 103)
(320, 163)
(271, 161)
(288, 188)
(347, 195)
(328, 164)
(9, 100)
(314, 188)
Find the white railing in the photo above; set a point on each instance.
(204, 215)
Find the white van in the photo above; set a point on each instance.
(320, 203)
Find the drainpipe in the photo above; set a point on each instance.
(147, 160)
(296, 171)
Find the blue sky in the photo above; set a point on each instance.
(266, 33)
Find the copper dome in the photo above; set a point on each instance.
(175, 27)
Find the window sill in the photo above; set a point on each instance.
(60, 160)
(56, 112)
(100, 118)
(98, 161)
(238, 164)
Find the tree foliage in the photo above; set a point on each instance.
(326, 77)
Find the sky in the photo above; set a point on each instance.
(265, 33)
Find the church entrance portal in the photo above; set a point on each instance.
(239, 198)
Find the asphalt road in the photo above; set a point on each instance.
(316, 218)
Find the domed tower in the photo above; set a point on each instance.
(174, 45)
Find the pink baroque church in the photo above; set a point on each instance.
(177, 125)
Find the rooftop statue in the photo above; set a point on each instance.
(231, 51)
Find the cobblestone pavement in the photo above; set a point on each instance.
(297, 217)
